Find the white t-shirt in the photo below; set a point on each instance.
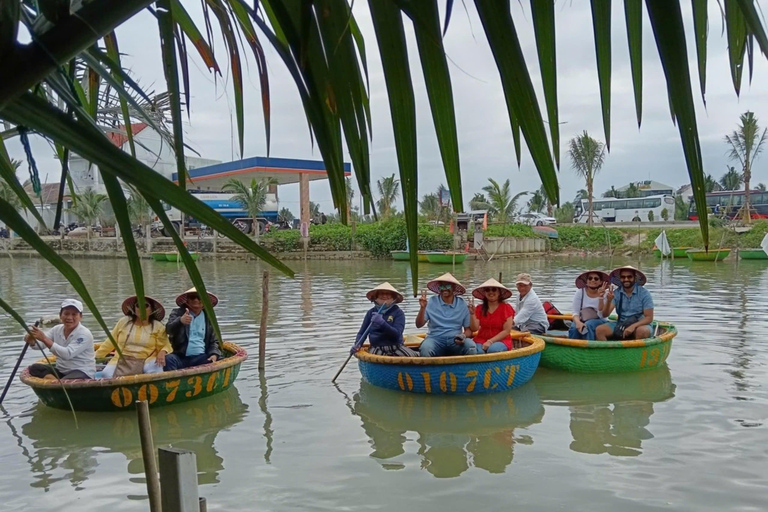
(589, 302)
(74, 352)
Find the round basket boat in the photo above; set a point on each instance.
(677, 253)
(400, 255)
(455, 375)
(753, 254)
(590, 356)
(702, 255)
(158, 389)
(446, 257)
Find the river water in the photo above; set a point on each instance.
(687, 436)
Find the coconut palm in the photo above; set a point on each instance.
(285, 215)
(501, 204)
(760, 187)
(429, 206)
(612, 192)
(477, 201)
(252, 196)
(537, 203)
(745, 145)
(388, 189)
(710, 184)
(88, 208)
(587, 157)
(314, 211)
(732, 179)
(631, 191)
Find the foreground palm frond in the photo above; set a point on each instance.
(68, 85)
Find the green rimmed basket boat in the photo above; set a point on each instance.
(423, 256)
(159, 389)
(677, 252)
(753, 254)
(590, 356)
(446, 257)
(174, 256)
(159, 256)
(713, 255)
(454, 375)
(400, 255)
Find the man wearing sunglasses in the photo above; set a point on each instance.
(448, 318)
(633, 304)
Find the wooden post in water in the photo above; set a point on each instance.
(500, 280)
(178, 469)
(263, 323)
(148, 454)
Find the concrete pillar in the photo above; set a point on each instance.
(304, 197)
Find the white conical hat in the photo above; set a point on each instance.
(458, 289)
(581, 280)
(504, 292)
(385, 287)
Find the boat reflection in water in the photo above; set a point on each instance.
(454, 433)
(610, 413)
(73, 454)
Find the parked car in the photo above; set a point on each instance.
(536, 219)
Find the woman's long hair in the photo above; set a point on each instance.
(133, 316)
(485, 303)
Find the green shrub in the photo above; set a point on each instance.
(284, 240)
(586, 238)
(330, 237)
(664, 214)
(650, 215)
(510, 230)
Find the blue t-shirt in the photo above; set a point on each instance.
(634, 304)
(196, 345)
(446, 320)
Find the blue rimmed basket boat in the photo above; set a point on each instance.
(456, 375)
(590, 356)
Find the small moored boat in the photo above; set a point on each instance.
(174, 256)
(158, 389)
(400, 255)
(446, 257)
(159, 256)
(590, 356)
(753, 254)
(677, 253)
(455, 375)
(712, 255)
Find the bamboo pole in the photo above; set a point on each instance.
(263, 323)
(148, 454)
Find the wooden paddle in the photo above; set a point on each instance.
(49, 321)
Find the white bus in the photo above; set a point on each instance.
(609, 209)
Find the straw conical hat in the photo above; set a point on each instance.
(581, 280)
(385, 287)
(458, 289)
(181, 300)
(158, 311)
(504, 292)
(640, 278)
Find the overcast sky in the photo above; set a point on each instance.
(485, 140)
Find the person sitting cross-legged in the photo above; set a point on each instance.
(448, 319)
(191, 333)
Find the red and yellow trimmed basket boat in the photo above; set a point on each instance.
(158, 389)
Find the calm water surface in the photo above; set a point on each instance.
(688, 436)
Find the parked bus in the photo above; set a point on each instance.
(223, 203)
(730, 202)
(610, 209)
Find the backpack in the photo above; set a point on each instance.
(554, 324)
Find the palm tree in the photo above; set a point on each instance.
(285, 215)
(732, 179)
(587, 157)
(253, 197)
(681, 208)
(314, 211)
(632, 191)
(477, 201)
(501, 204)
(612, 192)
(745, 144)
(88, 208)
(537, 202)
(710, 184)
(388, 189)
(429, 206)
(760, 187)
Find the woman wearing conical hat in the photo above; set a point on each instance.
(588, 303)
(384, 324)
(143, 343)
(493, 319)
(448, 319)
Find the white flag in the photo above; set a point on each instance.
(663, 244)
(764, 243)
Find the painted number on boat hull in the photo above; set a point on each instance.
(447, 382)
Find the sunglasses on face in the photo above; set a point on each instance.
(593, 278)
(445, 287)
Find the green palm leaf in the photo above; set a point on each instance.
(543, 14)
(601, 23)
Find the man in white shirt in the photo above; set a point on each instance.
(529, 313)
(70, 342)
